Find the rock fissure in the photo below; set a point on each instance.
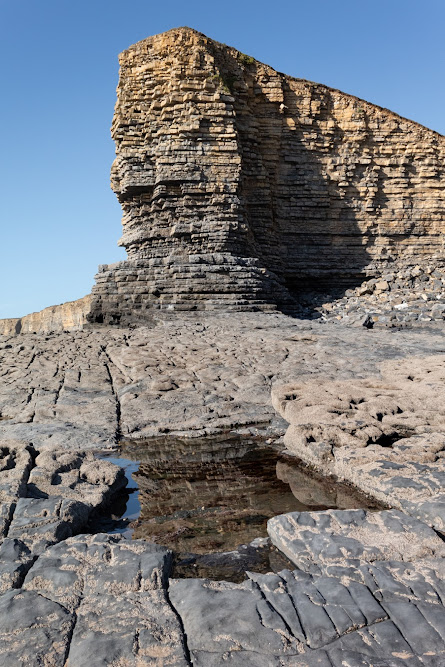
(116, 396)
(73, 625)
(20, 490)
(181, 625)
(276, 611)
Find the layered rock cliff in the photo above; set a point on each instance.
(241, 186)
(69, 316)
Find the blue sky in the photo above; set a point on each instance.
(59, 218)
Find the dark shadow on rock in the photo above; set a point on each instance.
(299, 222)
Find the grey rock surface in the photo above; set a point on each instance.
(51, 496)
(33, 630)
(56, 391)
(334, 536)
(15, 561)
(369, 589)
(385, 613)
(94, 600)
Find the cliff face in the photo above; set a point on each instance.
(240, 185)
(243, 188)
(68, 316)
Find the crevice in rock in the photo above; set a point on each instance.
(73, 627)
(26, 568)
(31, 361)
(389, 439)
(118, 433)
(274, 609)
(298, 615)
(181, 625)
(23, 489)
(30, 395)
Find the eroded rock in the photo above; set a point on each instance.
(334, 536)
(387, 613)
(95, 600)
(386, 436)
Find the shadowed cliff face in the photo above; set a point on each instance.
(242, 187)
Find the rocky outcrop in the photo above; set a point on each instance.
(68, 316)
(241, 186)
(385, 436)
(102, 600)
(85, 389)
(246, 189)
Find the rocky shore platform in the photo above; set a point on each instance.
(364, 406)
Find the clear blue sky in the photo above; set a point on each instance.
(59, 218)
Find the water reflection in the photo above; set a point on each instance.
(125, 507)
(210, 495)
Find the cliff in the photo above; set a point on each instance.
(244, 189)
(241, 186)
(68, 316)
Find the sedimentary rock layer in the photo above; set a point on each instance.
(68, 316)
(243, 188)
(240, 185)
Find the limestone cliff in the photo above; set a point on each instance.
(242, 188)
(68, 316)
(240, 185)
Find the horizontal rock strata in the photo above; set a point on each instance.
(68, 316)
(242, 187)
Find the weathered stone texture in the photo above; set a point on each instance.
(238, 182)
(246, 189)
(387, 614)
(384, 435)
(368, 587)
(314, 539)
(93, 600)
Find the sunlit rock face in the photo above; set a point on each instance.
(241, 186)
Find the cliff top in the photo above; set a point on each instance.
(186, 30)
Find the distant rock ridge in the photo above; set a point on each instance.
(68, 316)
(242, 187)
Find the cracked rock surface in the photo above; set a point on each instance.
(103, 600)
(384, 435)
(333, 536)
(362, 405)
(92, 600)
(346, 615)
